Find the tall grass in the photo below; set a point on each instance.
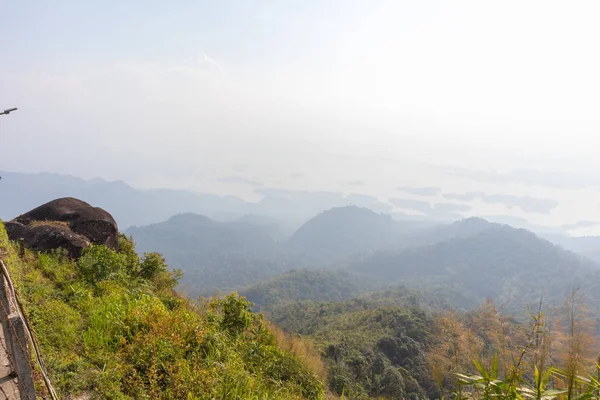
(301, 348)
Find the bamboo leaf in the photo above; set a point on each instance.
(481, 370)
(495, 366)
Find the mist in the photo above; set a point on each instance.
(497, 99)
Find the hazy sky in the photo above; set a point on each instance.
(499, 100)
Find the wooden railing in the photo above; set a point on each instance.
(19, 339)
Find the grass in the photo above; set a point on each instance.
(302, 349)
(49, 223)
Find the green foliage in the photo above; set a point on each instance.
(392, 383)
(66, 334)
(152, 264)
(153, 267)
(300, 285)
(99, 263)
(374, 346)
(110, 327)
(126, 247)
(237, 316)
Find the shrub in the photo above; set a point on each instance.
(236, 314)
(131, 258)
(99, 263)
(152, 264)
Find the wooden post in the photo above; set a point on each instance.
(21, 356)
(16, 341)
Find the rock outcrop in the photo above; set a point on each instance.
(67, 223)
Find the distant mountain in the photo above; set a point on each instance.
(279, 230)
(300, 285)
(214, 256)
(587, 246)
(340, 232)
(512, 266)
(22, 192)
(221, 256)
(344, 232)
(443, 232)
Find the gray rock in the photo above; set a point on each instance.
(67, 223)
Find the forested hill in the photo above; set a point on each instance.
(214, 256)
(588, 246)
(210, 235)
(221, 256)
(443, 232)
(459, 263)
(299, 285)
(512, 266)
(375, 347)
(343, 231)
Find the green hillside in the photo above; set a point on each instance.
(216, 257)
(384, 346)
(374, 347)
(512, 266)
(299, 285)
(343, 231)
(111, 327)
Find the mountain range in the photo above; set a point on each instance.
(21, 192)
(459, 264)
(223, 242)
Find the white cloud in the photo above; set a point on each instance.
(204, 60)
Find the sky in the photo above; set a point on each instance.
(492, 106)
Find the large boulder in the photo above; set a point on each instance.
(68, 223)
